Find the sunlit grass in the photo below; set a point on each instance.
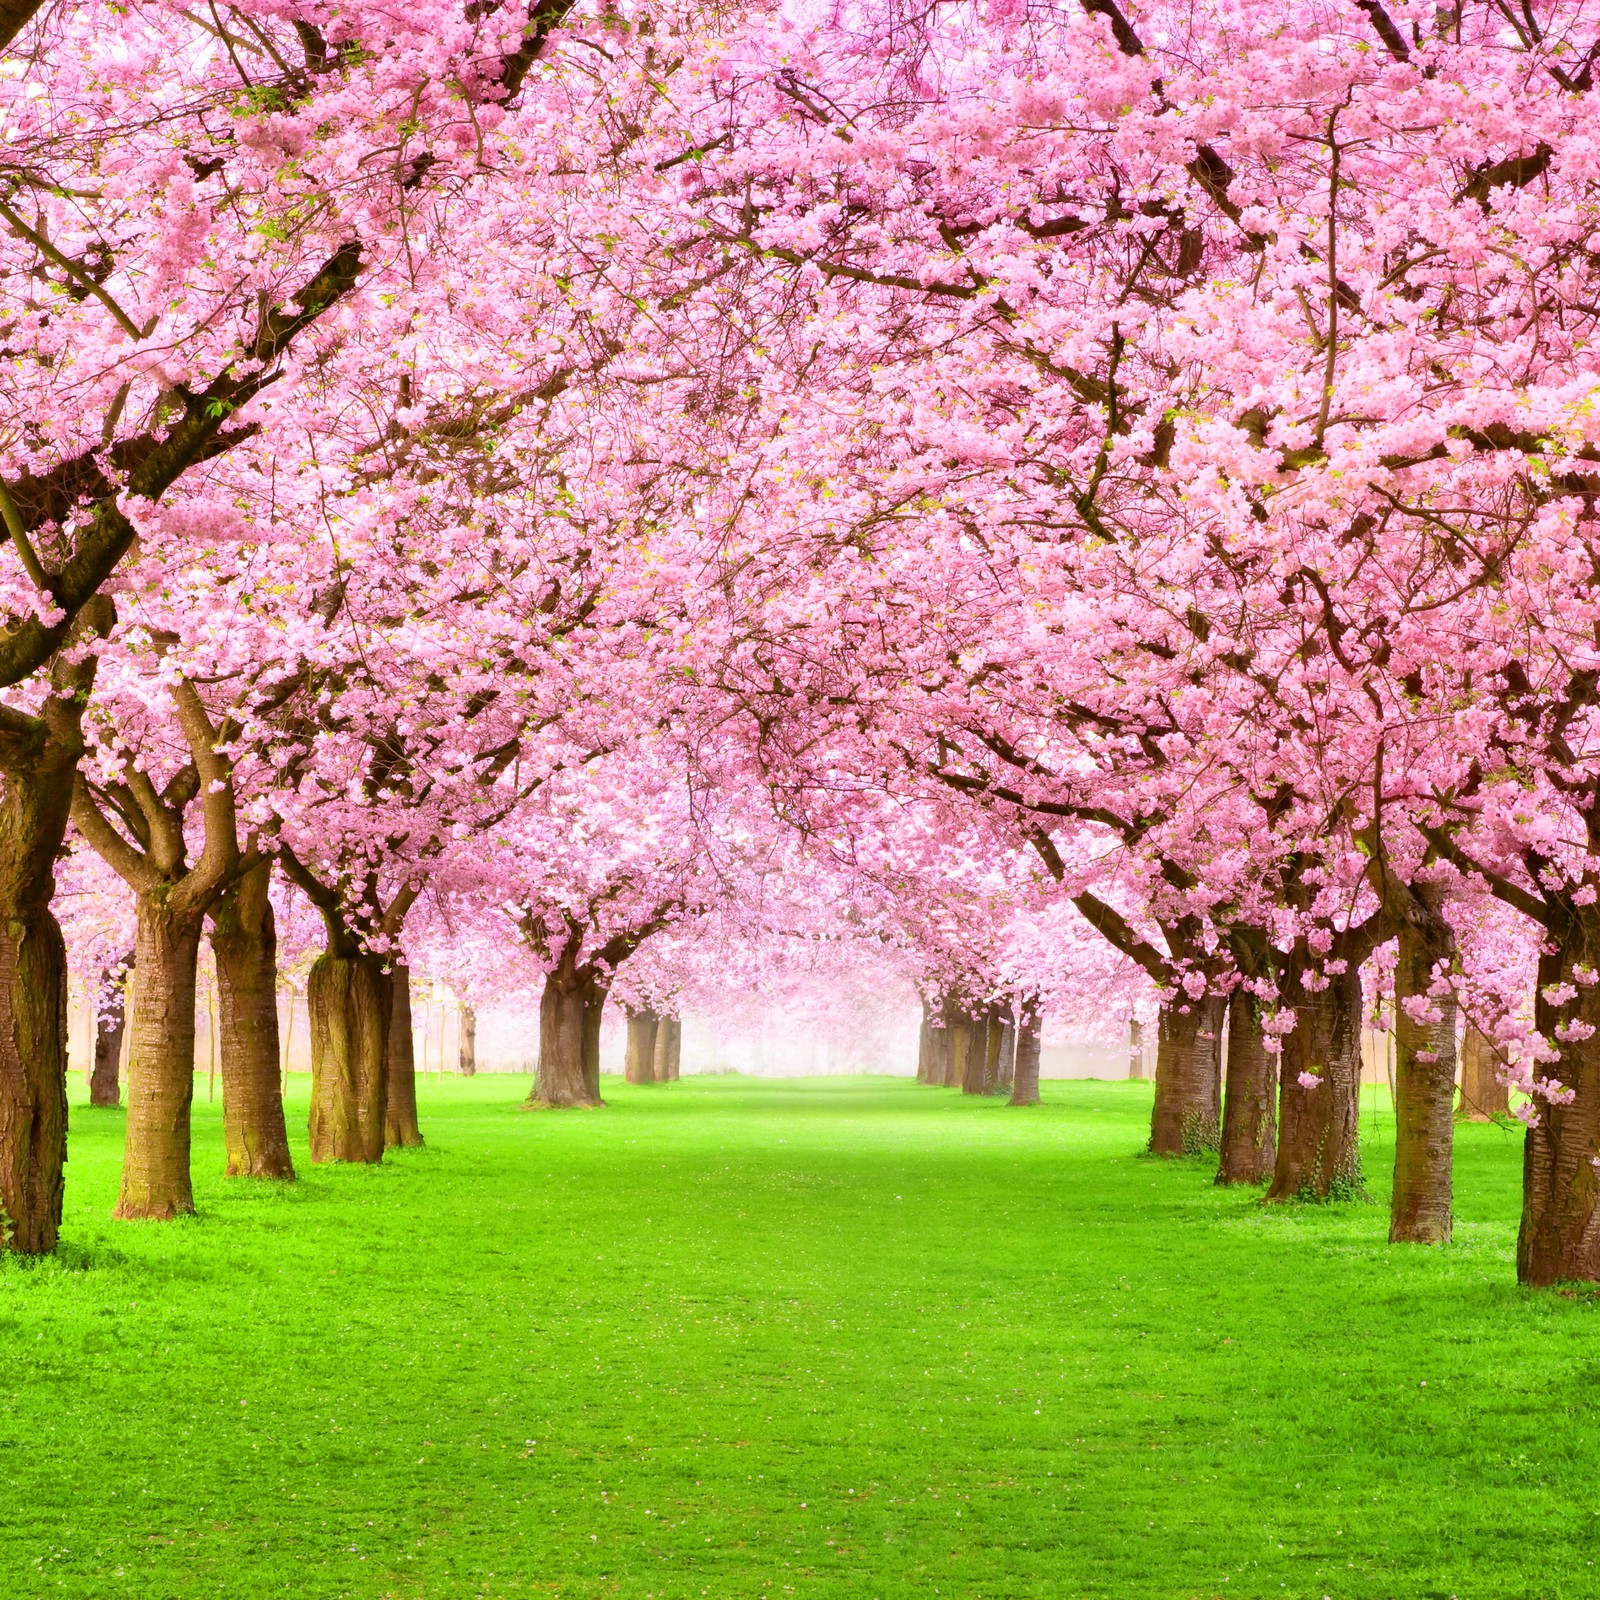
(833, 1338)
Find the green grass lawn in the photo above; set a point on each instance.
(835, 1338)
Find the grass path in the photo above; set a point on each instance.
(843, 1339)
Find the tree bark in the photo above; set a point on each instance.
(155, 1163)
(925, 1045)
(1484, 1095)
(1005, 1051)
(643, 1024)
(1319, 1156)
(941, 1064)
(244, 940)
(1249, 1122)
(1424, 1086)
(110, 1027)
(1187, 1114)
(349, 1003)
(1025, 1080)
(400, 1130)
(959, 1027)
(38, 763)
(1135, 1049)
(594, 1004)
(669, 1048)
(33, 1079)
(975, 1072)
(467, 1055)
(1559, 1239)
(568, 1020)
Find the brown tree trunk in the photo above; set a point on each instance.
(244, 940)
(975, 1074)
(33, 1079)
(1135, 1049)
(155, 1162)
(959, 1027)
(643, 1023)
(1186, 1117)
(1319, 1155)
(1559, 1239)
(348, 999)
(35, 802)
(669, 1048)
(925, 1046)
(1005, 1050)
(563, 1080)
(1249, 1122)
(1424, 1089)
(1025, 1080)
(594, 1004)
(467, 1055)
(941, 1042)
(110, 1026)
(400, 1130)
(1484, 1095)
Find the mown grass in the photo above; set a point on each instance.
(831, 1339)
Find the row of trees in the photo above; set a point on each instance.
(1058, 498)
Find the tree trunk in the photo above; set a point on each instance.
(348, 999)
(959, 1027)
(594, 1004)
(110, 1026)
(35, 802)
(1005, 1043)
(669, 1048)
(643, 1025)
(975, 1074)
(1248, 1114)
(400, 1130)
(155, 1162)
(244, 940)
(563, 1080)
(1484, 1095)
(33, 1079)
(941, 1043)
(1319, 1155)
(467, 1055)
(1025, 1081)
(1186, 1116)
(1559, 1239)
(1424, 1090)
(925, 1046)
(1135, 1049)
